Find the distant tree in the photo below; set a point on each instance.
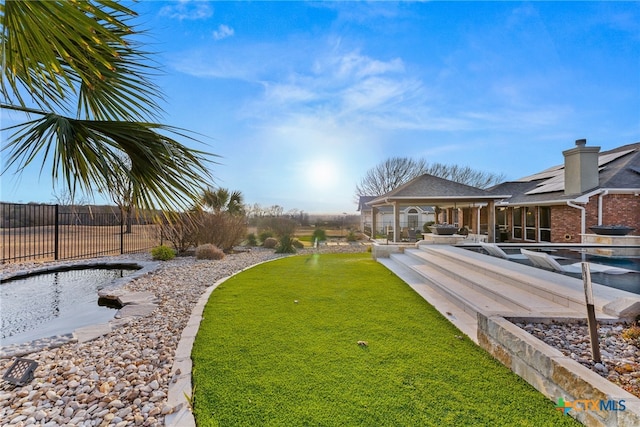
(122, 191)
(395, 171)
(388, 175)
(221, 200)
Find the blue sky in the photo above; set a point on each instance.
(302, 98)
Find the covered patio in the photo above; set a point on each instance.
(457, 204)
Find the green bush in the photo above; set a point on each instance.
(209, 251)
(319, 234)
(251, 240)
(270, 243)
(285, 246)
(352, 236)
(425, 226)
(163, 253)
(264, 235)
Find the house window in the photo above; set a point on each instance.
(544, 226)
(412, 218)
(530, 223)
(517, 223)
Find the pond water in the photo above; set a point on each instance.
(54, 303)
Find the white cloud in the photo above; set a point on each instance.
(187, 10)
(223, 32)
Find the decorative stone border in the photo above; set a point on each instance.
(554, 374)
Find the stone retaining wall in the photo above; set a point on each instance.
(557, 376)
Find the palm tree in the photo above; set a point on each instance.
(221, 200)
(78, 73)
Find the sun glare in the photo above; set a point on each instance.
(322, 174)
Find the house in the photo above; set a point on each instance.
(411, 217)
(453, 203)
(561, 203)
(557, 205)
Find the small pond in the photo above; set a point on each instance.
(54, 302)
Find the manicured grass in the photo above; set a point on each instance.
(260, 358)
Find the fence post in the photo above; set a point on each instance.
(56, 234)
(121, 232)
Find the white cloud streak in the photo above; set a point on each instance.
(223, 32)
(187, 10)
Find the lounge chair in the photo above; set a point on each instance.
(496, 251)
(543, 260)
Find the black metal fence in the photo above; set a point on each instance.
(57, 232)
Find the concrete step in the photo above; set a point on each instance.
(557, 288)
(451, 309)
(517, 299)
(469, 300)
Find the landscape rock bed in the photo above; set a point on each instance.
(122, 378)
(620, 358)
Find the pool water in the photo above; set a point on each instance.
(629, 282)
(54, 303)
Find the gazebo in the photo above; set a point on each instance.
(443, 194)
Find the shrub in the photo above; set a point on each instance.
(181, 230)
(352, 236)
(425, 226)
(285, 246)
(163, 253)
(632, 334)
(264, 235)
(270, 243)
(225, 230)
(319, 234)
(209, 251)
(278, 226)
(297, 244)
(251, 240)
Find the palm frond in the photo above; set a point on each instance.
(87, 155)
(66, 52)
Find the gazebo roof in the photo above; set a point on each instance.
(432, 190)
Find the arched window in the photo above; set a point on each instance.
(412, 218)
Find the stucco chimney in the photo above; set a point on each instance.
(580, 168)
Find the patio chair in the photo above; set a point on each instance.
(412, 235)
(496, 251)
(543, 260)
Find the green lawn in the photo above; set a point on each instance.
(260, 358)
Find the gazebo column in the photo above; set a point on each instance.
(396, 222)
(491, 220)
(374, 225)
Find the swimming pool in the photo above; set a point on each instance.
(566, 255)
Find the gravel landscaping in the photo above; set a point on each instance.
(620, 357)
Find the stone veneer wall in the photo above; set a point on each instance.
(554, 374)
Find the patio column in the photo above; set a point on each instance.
(374, 225)
(396, 222)
(491, 220)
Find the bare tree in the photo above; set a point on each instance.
(122, 191)
(395, 171)
(389, 174)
